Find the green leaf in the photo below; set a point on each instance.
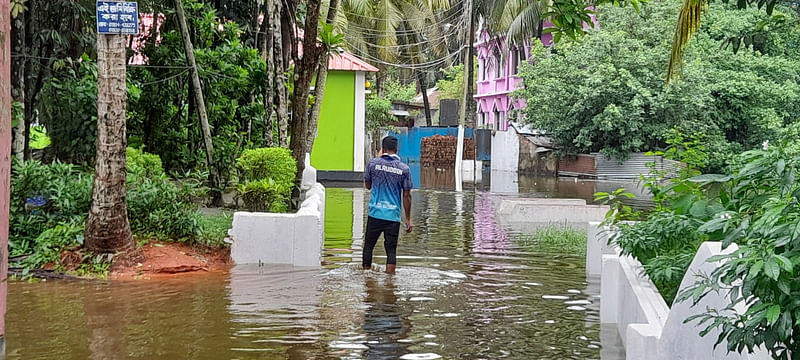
(711, 178)
(781, 166)
(784, 286)
(773, 313)
(772, 269)
(796, 233)
(784, 262)
(713, 225)
(755, 269)
(698, 209)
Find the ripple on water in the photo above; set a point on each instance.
(408, 279)
(347, 345)
(422, 356)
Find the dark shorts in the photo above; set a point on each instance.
(390, 231)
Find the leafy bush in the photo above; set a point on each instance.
(757, 207)
(159, 207)
(49, 199)
(267, 178)
(665, 245)
(43, 196)
(215, 228)
(143, 164)
(618, 210)
(51, 242)
(264, 195)
(69, 112)
(265, 163)
(451, 86)
(378, 112)
(760, 211)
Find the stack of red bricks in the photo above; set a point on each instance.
(440, 151)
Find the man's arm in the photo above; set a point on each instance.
(368, 185)
(407, 208)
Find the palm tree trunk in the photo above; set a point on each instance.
(213, 177)
(267, 34)
(107, 228)
(280, 53)
(18, 82)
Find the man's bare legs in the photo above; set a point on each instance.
(390, 268)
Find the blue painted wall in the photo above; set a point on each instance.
(410, 141)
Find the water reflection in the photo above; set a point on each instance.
(384, 323)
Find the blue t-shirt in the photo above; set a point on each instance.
(389, 177)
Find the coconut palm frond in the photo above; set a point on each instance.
(526, 24)
(387, 18)
(688, 24)
(357, 7)
(509, 13)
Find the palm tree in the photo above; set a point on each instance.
(107, 227)
(408, 33)
(518, 20)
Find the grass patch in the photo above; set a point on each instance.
(215, 228)
(556, 239)
(39, 139)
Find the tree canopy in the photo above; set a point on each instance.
(607, 93)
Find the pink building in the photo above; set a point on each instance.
(498, 65)
(497, 78)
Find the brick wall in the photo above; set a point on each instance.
(440, 151)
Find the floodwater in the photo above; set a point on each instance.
(465, 288)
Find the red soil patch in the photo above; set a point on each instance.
(167, 259)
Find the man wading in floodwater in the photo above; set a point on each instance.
(387, 178)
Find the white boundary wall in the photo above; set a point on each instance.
(527, 214)
(505, 150)
(292, 239)
(648, 327)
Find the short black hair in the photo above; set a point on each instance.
(389, 143)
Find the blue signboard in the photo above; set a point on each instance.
(117, 17)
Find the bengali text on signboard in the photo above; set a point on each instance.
(117, 17)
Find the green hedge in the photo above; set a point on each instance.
(266, 179)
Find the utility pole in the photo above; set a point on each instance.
(213, 177)
(469, 65)
(468, 58)
(5, 159)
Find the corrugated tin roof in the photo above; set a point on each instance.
(634, 166)
(349, 62)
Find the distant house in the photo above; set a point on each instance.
(412, 113)
(497, 78)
